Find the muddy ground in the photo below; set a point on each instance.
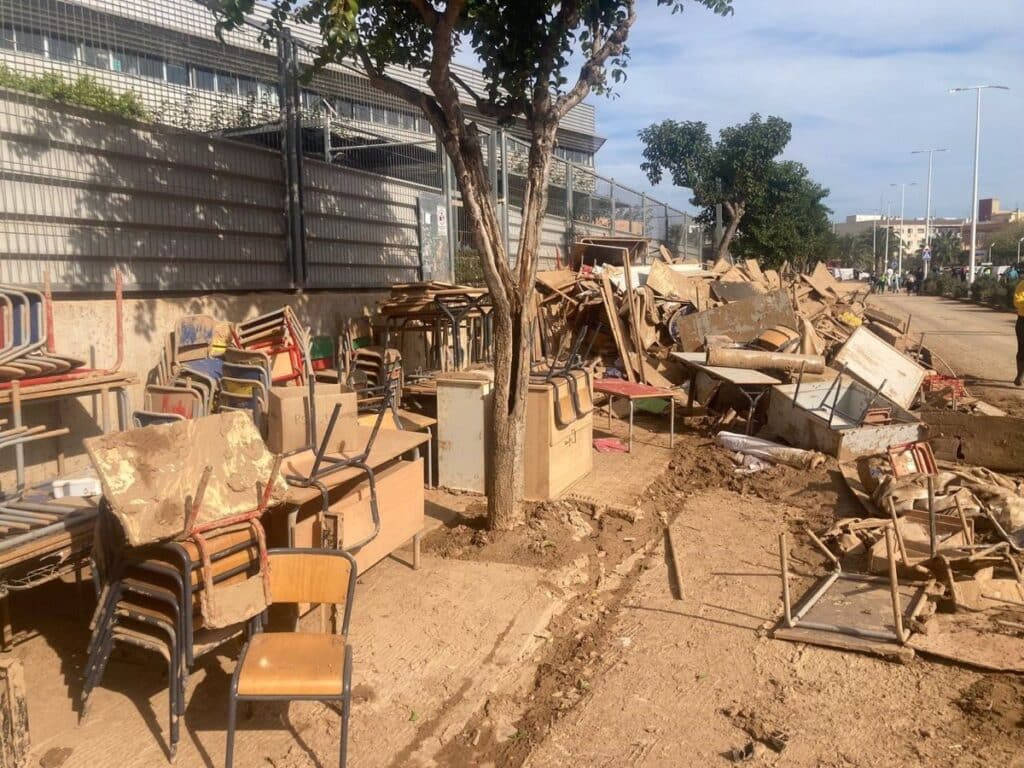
(632, 676)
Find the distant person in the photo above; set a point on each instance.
(1018, 303)
(911, 280)
(1012, 275)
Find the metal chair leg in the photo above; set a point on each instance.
(346, 705)
(229, 751)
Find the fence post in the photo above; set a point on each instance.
(643, 221)
(611, 206)
(447, 179)
(291, 157)
(570, 215)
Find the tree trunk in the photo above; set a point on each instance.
(735, 212)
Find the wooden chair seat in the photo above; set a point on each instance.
(293, 664)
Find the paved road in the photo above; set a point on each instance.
(978, 342)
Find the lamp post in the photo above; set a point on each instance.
(888, 226)
(977, 152)
(928, 205)
(903, 202)
(1018, 249)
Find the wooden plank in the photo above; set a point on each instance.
(14, 733)
(996, 442)
(634, 314)
(618, 332)
(741, 320)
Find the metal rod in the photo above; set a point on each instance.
(933, 538)
(815, 596)
(894, 586)
(824, 550)
(968, 531)
(899, 536)
(784, 570)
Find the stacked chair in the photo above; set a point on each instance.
(218, 368)
(179, 584)
(24, 333)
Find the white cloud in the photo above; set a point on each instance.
(863, 84)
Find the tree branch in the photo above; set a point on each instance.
(434, 114)
(429, 14)
(592, 72)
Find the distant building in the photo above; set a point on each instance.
(911, 232)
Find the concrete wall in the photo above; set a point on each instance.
(86, 328)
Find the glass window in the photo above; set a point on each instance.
(247, 86)
(362, 112)
(29, 42)
(176, 72)
(393, 117)
(151, 67)
(227, 83)
(204, 79)
(123, 61)
(62, 49)
(408, 121)
(96, 56)
(268, 93)
(6, 37)
(344, 108)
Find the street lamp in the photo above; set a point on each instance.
(1018, 249)
(977, 152)
(903, 201)
(928, 206)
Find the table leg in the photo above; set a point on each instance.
(672, 423)
(610, 400)
(19, 448)
(416, 551)
(631, 425)
(691, 398)
(105, 410)
(60, 440)
(6, 630)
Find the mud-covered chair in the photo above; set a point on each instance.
(290, 666)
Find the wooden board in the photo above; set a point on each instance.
(618, 330)
(741, 320)
(996, 442)
(873, 362)
(14, 733)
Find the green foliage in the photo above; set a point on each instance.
(986, 289)
(789, 221)
(1004, 244)
(468, 268)
(83, 92)
(734, 171)
(947, 249)
(525, 47)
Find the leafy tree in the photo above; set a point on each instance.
(855, 251)
(529, 53)
(732, 173)
(1004, 244)
(788, 221)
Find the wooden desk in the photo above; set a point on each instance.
(753, 384)
(631, 391)
(400, 500)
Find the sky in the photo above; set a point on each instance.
(864, 82)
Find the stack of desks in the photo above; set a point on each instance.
(753, 384)
(398, 471)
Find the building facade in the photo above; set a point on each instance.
(911, 232)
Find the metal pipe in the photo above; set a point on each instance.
(894, 587)
(815, 596)
(933, 537)
(784, 570)
(824, 550)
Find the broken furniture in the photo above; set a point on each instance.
(463, 429)
(830, 417)
(559, 434)
(452, 321)
(850, 611)
(366, 500)
(752, 384)
(880, 366)
(631, 392)
(402, 419)
(285, 666)
(189, 494)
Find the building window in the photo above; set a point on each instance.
(61, 49)
(29, 42)
(7, 37)
(204, 79)
(125, 62)
(227, 84)
(96, 56)
(175, 72)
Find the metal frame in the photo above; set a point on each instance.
(672, 415)
(345, 698)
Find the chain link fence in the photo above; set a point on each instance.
(136, 138)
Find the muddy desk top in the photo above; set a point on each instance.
(390, 444)
(739, 376)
